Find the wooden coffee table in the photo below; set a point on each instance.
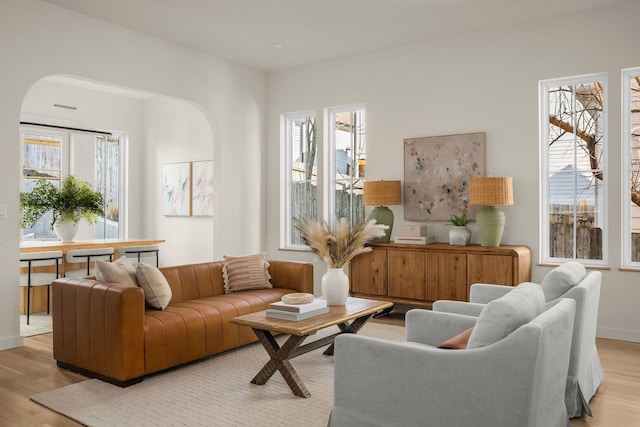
(350, 318)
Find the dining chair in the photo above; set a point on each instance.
(33, 277)
(140, 253)
(75, 256)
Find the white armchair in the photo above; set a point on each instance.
(516, 381)
(569, 280)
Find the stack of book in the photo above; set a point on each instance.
(296, 312)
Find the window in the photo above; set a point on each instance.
(52, 155)
(631, 167)
(347, 161)
(301, 177)
(41, 159)
(573, 159)
(338, 191)
(106, 180)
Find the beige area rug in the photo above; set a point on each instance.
(39, 323)
(213, 392)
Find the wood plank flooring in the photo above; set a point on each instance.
(31, 369)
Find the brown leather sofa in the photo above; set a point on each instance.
(103, 330)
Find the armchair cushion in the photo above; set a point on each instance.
(506, 314)
(562, 278)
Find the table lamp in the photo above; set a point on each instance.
(382, 194)
(490, 192)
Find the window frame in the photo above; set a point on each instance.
(544, 86)
(329, 151)
(286, 218)
(67, 166)
(626, 169)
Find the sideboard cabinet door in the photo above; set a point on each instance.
(495, 269)
(446, 276)
(368, 273)
(407, 274)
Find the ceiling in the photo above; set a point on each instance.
(309, 31)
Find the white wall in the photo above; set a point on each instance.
(38, 39)
(479, 82)
(175, 131)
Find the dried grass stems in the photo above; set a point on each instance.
(337, 246)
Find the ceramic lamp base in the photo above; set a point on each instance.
(383, 215)
(490, 222)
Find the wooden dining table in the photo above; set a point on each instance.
(39, 293)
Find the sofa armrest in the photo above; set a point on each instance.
(484, 293)
(292, 275)
(98, 327)
(433, 327)
(459, 307)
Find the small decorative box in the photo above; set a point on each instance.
(413, 230)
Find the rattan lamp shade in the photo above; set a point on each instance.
(381, 193)
(491, 191)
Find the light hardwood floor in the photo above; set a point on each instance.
(31, 369)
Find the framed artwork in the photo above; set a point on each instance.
(176, 189)
(437, 174)
(202, 188)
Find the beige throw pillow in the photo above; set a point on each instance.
(157, 292)
(246, 272)
(119, 271)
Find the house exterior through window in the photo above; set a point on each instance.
(573, 158)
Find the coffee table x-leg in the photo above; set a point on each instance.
(280, 355)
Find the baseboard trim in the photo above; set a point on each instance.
(618, 334)
(11, 342)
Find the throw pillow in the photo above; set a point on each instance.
(459, 342)
(246, 272)
(119, 271)
(504, 315)
(157, 292)
(562, 278)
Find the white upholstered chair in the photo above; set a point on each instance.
(515, 381)
(88, 256)
(149, 254)
(31, 278)
(570, 280)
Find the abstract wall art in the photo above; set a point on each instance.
(202, 188)
(176, 189)
(437, 174)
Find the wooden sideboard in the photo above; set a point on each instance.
(421, 274)
(39, 293)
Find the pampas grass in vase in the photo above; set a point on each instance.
(336, 247)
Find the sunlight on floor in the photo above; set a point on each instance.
(39, 323)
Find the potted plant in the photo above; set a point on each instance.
(74, 201)
(459, 234)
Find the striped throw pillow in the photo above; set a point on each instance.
(246, 272)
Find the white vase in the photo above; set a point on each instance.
(335, 286)
(459, 236)
(66, 230)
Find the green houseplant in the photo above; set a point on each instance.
(459, 234)
(74, 201)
